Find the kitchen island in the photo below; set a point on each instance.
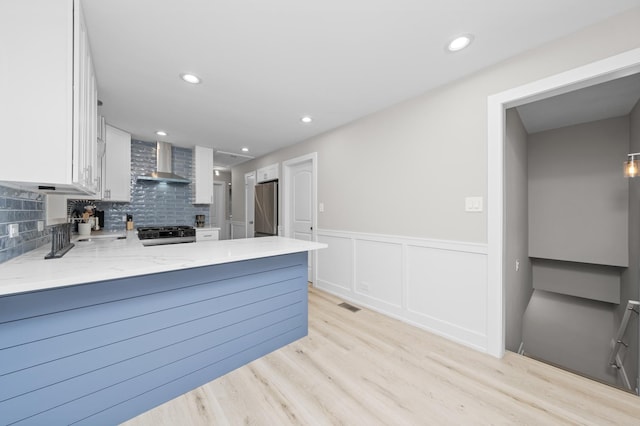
(113, 328)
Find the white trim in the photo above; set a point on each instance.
(462, 246)
(611, 68)
(286, 202)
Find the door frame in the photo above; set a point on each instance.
(287, 166)
(246, 204)
(601, 71)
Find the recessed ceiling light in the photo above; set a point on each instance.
(161, 133)
(459, 42)
(190, 78)
(306, 119)
(245, 149)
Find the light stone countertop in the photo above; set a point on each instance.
(111, 258)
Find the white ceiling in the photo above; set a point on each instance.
(615, 98)
(265, 64)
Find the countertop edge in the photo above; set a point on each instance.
(30, 272)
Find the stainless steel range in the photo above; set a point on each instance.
(159, 235)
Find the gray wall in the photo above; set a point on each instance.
(578, 197)
(578, 223)
(571, 332)
(559, 155)
(630, 283)
(585, 280)
(518, 284)
(407, 169)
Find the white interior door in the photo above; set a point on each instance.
(301, 205)
(249, 206)
(218, 209)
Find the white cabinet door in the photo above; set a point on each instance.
(117, 175)
(203, 175)
(85, 109)
(268, 173)
(38, 109)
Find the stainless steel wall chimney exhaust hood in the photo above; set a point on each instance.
(164, 169)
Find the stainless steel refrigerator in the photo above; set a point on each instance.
(266, 209)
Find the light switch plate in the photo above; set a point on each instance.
(473, 204)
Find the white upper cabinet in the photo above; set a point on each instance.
(203, 185)
(267, 173)
(48, 112)
(117, 165)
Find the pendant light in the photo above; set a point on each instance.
(632, 166)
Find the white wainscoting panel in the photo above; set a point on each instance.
(437, 285)
(447, 290)
(378, 269)
(335, 264)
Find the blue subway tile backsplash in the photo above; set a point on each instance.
(24, 208)
(153, 203)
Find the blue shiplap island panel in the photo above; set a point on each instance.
(102, 353)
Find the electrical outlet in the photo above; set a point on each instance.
(40, 225)
(14, 230)
(364, 286)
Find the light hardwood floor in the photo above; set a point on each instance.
(367, 369)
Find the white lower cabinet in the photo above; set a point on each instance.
(207, 234)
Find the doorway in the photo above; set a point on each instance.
(219, 218)
(603, 71)
(249, 207)
(300, 203)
